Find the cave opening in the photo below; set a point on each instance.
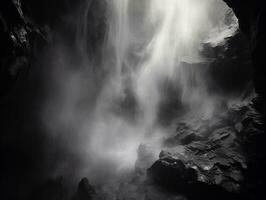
(147, 100)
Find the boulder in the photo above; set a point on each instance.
(218, 160)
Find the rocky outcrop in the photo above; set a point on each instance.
(209, 154)
(19, 38)
(252, 21)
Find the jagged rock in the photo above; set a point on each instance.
(185, 135)
(18, 38)
(171, 172)
(183, 178)
(218, 159)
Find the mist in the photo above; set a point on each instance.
(104, 102)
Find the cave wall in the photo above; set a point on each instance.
(27, 28)
(21, 29)
(252, 22)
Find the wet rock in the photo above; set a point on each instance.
(185, 135)
(218, 159)
(171, 173)
(179, 177)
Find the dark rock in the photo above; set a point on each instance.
(185, 134)
(218, 161)
(190, 138)
(175, 176)
(182, 139)
(252, 18)
(171, 173)
(18, 38)
(230, 68)
(85, 190)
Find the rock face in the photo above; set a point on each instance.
(209, 154)
(19, 38)
(252, 21)
(172, 172)
(25, 27)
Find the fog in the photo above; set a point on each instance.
(100, 112)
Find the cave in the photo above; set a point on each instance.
(132, 99)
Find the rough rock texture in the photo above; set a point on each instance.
(210, 153)
(19, 38)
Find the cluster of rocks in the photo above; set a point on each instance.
(209, 154)
(204, 158)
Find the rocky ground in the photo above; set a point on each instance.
(204, 158)
(207, 157)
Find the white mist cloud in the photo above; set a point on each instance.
(147, 43)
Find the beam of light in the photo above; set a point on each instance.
(147, 43)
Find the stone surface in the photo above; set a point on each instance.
(252, 18)
(217, 160)
(18, 37)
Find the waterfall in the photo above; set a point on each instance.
(102, 111)
(148, 43)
